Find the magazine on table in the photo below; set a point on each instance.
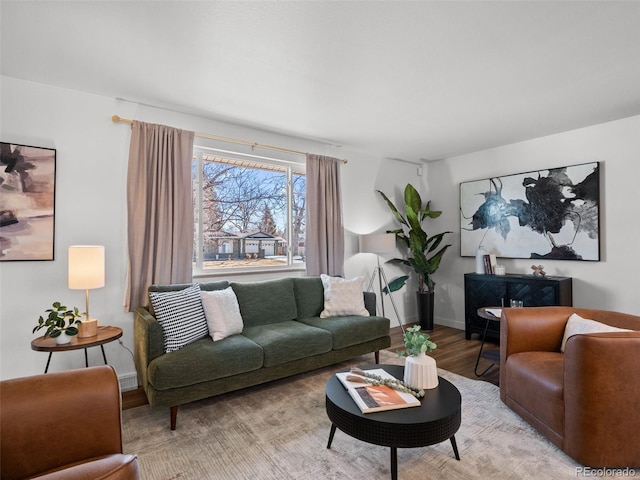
(376, 398)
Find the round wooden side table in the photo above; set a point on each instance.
(105, 335)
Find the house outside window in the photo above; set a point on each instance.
(249, 212)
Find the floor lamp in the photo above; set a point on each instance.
(380, 243)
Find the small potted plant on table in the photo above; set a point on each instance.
(420, 370)
(60, 323)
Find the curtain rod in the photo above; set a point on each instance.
(118, 119)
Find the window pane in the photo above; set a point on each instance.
(246, 215)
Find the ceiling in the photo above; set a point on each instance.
(419, 80)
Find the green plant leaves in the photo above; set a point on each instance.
(421, 246)
(396, 284)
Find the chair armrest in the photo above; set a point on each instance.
(601, 390)
(52, 420)
(148, 342)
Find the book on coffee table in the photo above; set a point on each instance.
(376, 398)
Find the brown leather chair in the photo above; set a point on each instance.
(64, 425)
(585, 400)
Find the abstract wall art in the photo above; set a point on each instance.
(27, 202)
(550, 214)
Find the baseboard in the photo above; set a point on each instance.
(128, 382)
(450, 323)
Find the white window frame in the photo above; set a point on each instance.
(291, 169)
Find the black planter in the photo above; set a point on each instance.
(425, 310)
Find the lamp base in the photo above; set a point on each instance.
(88, 328)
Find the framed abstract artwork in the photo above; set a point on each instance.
(544, 214)
(27, 202)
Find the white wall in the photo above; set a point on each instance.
(611, 283)
(91, 172)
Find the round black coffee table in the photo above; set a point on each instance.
(436, 420)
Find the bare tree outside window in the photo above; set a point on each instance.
(248, 214)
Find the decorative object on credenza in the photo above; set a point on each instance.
(424, 252)
(538, 270)
(27, 202)
(545, 214)
(61, 322)
(420, 370)
(86, 271)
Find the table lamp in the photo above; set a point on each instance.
(380, 243)
(86, 271)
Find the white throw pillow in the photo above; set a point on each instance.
(180, 315)
(223, 313)
(577, 325)
(343, 297)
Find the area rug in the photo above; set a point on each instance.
(280, 431)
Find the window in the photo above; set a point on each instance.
(249, 211)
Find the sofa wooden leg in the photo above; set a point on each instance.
(174, 416)
(377, 355)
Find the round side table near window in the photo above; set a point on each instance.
(105, 335)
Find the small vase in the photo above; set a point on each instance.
(63, 339)
(420, 372)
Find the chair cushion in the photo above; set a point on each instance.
(535, 380)
(108, 467)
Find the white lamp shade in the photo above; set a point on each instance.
(86, 267)
(378, 243)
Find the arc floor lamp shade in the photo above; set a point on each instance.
(85, 272)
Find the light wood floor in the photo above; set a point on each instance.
(454, 354)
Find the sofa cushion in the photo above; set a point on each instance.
(343, 297)
(205, 360)
(576, 325)
(262, 303)
(309, 294)
(207, 286)
(289, 341)
(180, 315)
(222, 312)
(535, 380)
(351, 330)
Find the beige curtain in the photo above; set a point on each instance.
(159, 208)
(324, 242)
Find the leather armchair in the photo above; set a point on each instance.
(64, 425)
(585, 400)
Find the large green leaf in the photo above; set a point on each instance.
(393, 209)
(396, 284)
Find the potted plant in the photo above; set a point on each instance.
(424, 252)
(420, 370)
(60, 323)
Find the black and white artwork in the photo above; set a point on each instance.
(548, 214)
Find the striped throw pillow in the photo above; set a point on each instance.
(181, 316)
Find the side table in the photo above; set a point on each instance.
(493, 355)
(105, 335)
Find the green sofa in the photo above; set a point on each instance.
(282, 335)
